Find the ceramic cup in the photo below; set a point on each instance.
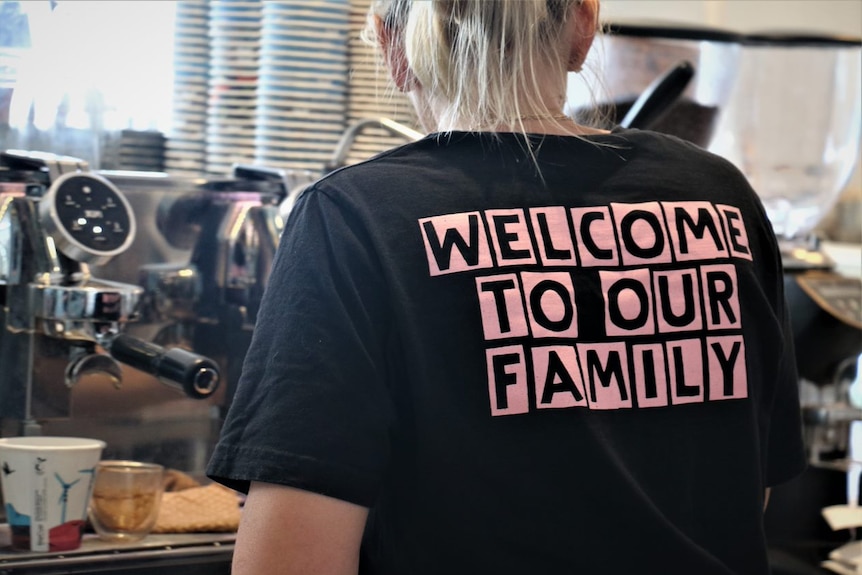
(126, 499)
(46, 487)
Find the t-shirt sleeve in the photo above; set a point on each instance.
(785, 455)
(312, 408)
(785, 448)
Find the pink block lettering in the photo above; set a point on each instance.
(696, 231)
(594, 233)
(511, 237)
(605, 373)
(628, 302)
(642, 233)
(685, 365)
(507, 380)
(650, 379)
(727, 373)
(737, 236)
(721, 296)
(553, 237)
(501, 306)
(557, 374)
(551, 304)
(455, 243)
(678, 299)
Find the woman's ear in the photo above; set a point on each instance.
(392, 47)
(585, 24)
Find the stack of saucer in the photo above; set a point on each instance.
(234, 34)
(185, 151)
(141, 150)
(370, 94)
(302, 96)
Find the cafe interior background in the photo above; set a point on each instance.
(207, 119)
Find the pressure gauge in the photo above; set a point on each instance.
(88, 217)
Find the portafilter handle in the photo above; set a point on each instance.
(195, 375)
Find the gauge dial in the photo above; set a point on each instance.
(88, 217)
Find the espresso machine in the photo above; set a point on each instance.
(62, 323)
(221, 234)
(85, 347)
(219, 238)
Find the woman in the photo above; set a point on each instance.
(519, 345)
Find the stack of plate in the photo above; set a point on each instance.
(142, 151)
(370, 92)
(234, 34)
(185, 149)
(302, 96)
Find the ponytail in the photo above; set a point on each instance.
(486, 62)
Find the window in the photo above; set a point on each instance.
(73, 72)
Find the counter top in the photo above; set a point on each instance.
(189, 553)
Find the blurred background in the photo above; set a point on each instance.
(203, 120)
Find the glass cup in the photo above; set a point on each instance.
(126, 499)
(46, 486)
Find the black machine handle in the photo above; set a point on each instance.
(195, 375)
(659, 97)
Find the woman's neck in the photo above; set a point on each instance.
(551, 124)
(435, 117)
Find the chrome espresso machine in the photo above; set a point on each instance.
(114, 284)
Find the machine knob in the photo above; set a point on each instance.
(195, 375)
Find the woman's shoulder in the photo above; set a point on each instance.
(673, 152)
(662, 144)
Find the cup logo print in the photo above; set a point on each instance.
(64, 496)
(621, 306)
(19, 519)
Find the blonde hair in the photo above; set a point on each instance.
(487, 62)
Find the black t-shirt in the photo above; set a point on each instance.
(584, 368)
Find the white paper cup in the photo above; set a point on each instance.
(47, 483)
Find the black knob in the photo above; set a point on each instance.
(195, 375)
